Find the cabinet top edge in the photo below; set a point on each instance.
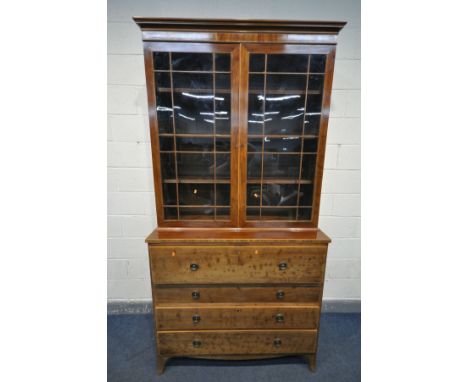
(232, 236)
(238, 25)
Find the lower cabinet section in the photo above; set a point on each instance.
(237, 301)
(240, 316)
(213, 342)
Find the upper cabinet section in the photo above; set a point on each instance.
(238, 116)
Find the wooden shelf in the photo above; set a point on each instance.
(191, 71)
(290, 73)
(193, 90)
(201, 218)
(281, 153)
(281, 136)
(273, 219)
(281, 92)
(284, 207)
(212, 151)
(194, 206)
(278, 181)
(195, 135)
(197, 181)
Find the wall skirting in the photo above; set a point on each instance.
(144, 306)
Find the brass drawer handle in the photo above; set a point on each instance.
(194, 267)
(280, 295)
(196, 343)
(283, 266)
(277, 342)
(279, 318)
(196, 318)
(195, 295)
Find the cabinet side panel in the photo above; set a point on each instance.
(153, 125)
(327, 89)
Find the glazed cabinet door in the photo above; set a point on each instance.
(283, 125)
(193, 103)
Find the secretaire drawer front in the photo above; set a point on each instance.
(235, 294)
(214, 265)
(214, 342)
(245, 316)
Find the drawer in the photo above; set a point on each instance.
(240, 316)
(214, 265)
(213, 342)
(209, 294)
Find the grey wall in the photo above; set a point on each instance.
(131, 210)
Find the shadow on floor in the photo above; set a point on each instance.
(131, 356)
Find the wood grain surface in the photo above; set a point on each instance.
(216, 342)
(235, 294)
(218, 265)
(236, 316)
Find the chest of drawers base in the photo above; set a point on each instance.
(237, 298)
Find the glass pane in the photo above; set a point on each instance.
(223, 194)
(281, 166)
(316, 82)
(223, 62)
(164, 112)
(170, 213)
(284, 144)
(253, 213)
(287, 63)
(314, 103)
(305, 194)
(279, 214)
(310, 145)
(254, 166)
(193, 81)
(279, 195)
(257, 63)
(195, 165)
(223, 144)
(166, 143)
(256, 82)
(161, 60)
(167, 166)
(254, 145)
(308, 167)
(222, 213)
(285, 114)
(163, 80)
(192, 113)
(197, 213)
(317, 63)
(312, 124)
(169, 194)
(192, 61)
(196, 194)
(278, 82)
(304, 214)
(194, 144)
(253, 194)
(223, 166)
(223, 81)
(223, 113)
(255, 117)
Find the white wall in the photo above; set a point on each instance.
(131, 209)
